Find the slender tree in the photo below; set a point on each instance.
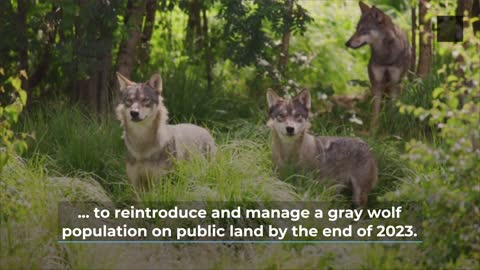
(128, 52)
(94, 27)
(476, 14)
(464, 6)
(287, 25)
(22, 42)
(413, 61)
(50, 29)
(426, 36)
(148, 26)
(207, 48)
(193, 37)
(464, 9)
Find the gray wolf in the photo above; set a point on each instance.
(390, 54)
(151, 143)
(346, 160)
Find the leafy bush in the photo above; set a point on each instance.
(446, 178)
(15, 99)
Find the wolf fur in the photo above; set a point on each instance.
(151, 142)
(339, 158)
(390, 54)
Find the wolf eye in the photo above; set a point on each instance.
(146, 102)
(128, 102)
(298, 118)
(362, 31)
(281, 117)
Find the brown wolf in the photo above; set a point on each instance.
(151, 142)
(390, 54)
(340, 158)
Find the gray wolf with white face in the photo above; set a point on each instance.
(339, 158)
(151, 143)
(390, 54)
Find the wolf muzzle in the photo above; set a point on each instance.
(349, 44)
(135, 115)
(290, 131)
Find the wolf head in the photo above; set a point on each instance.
(371, 28)
(139, 101)
(289, 117)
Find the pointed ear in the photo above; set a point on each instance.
(272, 98)
(123, 81)
(363, 7)
(156, 82)
(378, 14)
(305, 98)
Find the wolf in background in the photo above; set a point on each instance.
(347, 160)
(390, 54)
(151, 142)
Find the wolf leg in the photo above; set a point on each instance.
(377, 91)
(134, 176)
(360, 195)
(364, 179)
(395, 91)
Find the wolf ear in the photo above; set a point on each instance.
(123, 81)
(363, 7)
(305, 98)
(378, 14)
(156, 82)
(272, 98)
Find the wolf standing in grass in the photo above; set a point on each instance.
(340, 158)
(390, 57)
(152, 144)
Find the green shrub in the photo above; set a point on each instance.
(15, 99)
(446, 174)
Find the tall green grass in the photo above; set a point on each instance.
(28, 216)
(78, 142)
(28, 230)
(71, 142)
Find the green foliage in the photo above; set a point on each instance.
(74, 154)
(240, 172)
(245, 33)
(15, 99)
(320, 60)
(28, 216)
(72, 138)
(188, 98)
(446, 175)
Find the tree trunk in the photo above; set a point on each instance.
(151, 9)
(22, 9)
(128, 54)
(476, 13)
(8, 20)
(287, 24)
(462, 6)
(207, 52)
(426, 57)
(413, 61)
(93, 49)
(193, 36)
(50, 30)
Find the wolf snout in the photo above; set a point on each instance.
(349, 44)
(135, 115)
(290, 131)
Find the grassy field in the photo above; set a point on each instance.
(86, 156)
(75, 155)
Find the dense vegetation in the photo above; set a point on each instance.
(217, 58)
